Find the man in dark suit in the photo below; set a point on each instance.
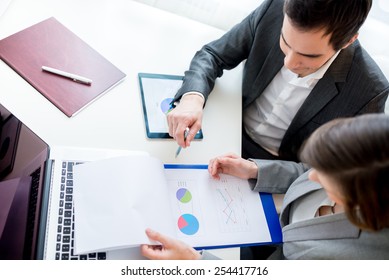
(303, 67)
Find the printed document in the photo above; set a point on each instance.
(116, 199)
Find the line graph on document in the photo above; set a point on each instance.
(232, 213)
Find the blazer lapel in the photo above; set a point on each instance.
(321, 94)
(272, 65)
(324, 91)
(325, 227)
(299, 188)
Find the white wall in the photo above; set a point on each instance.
(222, 14)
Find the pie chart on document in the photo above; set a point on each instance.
(188, 224)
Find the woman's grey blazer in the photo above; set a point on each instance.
(326, 237)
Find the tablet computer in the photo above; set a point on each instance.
(157, 92)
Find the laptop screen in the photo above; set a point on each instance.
(36, 195)
(22, 161)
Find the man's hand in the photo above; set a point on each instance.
(187, 114)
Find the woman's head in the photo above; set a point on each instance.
(354, 154)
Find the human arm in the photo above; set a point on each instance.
(272, 176)
(206, 66)
(234, 165)
(224, 53)
(170, 249)
(276, 176)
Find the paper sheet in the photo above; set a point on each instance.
(115, 200)
(218, 213)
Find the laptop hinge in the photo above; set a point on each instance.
(44, 214)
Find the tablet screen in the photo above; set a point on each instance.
(157, 92)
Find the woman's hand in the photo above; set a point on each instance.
(234, 165)
(170, 249)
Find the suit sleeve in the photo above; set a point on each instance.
(276, 176)
(223, 54)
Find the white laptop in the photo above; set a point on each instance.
(37, 214)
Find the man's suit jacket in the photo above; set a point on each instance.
(353, 84)
(326, 237)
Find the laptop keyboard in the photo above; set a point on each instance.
(65, 230)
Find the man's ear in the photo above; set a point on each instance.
(352, 40)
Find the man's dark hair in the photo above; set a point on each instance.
(341, 19)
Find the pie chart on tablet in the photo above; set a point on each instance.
(165, 105)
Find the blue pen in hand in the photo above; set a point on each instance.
(185, 135)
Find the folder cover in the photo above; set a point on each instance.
(49, 43)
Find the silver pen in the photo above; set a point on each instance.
(186, 132)
(74, 77)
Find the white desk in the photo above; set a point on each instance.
(136, 38)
